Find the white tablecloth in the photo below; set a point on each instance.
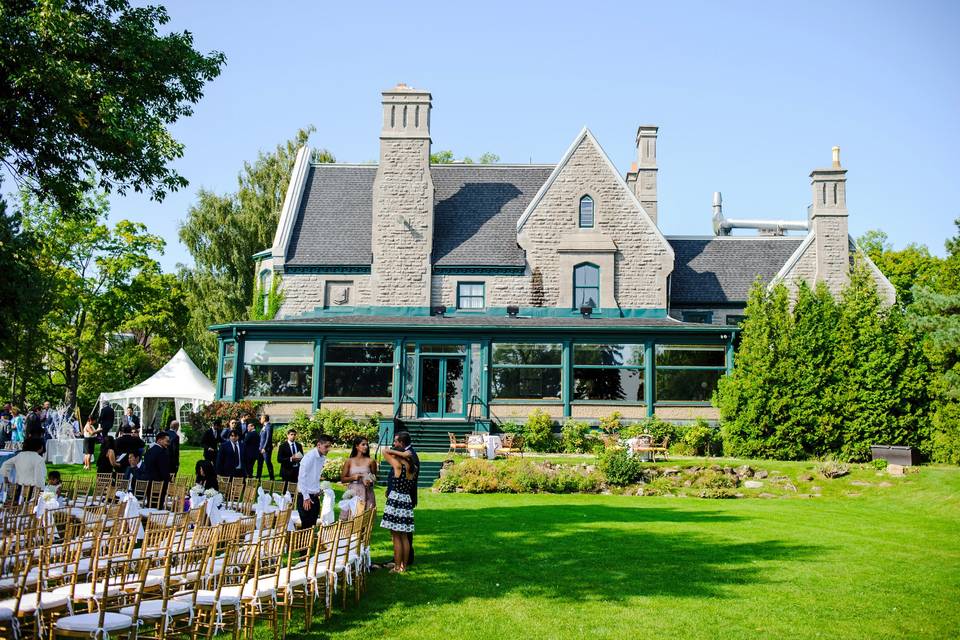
(491, 443)
(644, 456)
(65, 451)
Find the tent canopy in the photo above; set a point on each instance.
(179, 380)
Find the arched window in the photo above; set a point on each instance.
(586, 286)
(265, 290)
(586, 212)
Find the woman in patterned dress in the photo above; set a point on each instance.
(398, 513)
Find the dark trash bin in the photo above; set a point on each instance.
(906, 456)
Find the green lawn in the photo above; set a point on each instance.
(858, 562)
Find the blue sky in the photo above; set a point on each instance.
(749, 97)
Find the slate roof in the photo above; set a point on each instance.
(477, 320)
(719, 270)
(336, 211)
(476, 209)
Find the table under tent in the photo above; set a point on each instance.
(179, 382)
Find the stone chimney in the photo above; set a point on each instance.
(643, 174)
(402, 237)
(828, 223)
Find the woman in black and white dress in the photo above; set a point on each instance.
(398, 513)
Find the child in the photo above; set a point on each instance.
(54, 485)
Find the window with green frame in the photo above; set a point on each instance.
(608, 372)
(274, 369)
(586, 286)
(228, 369)
(470, 295)
(702, 317)
(526, 371)
(688, 372)
(358, 370)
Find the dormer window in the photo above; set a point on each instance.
(586, 286)
(586, 212)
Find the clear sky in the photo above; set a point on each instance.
(749, 97)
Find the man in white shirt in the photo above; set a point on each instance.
(28, 465)
(308, 482)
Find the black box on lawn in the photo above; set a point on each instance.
(906, 456)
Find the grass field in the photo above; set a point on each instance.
(858, 562)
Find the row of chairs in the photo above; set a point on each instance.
(184, 577)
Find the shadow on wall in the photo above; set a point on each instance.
(571, 553)
(484, 201)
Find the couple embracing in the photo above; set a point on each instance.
(401, 499)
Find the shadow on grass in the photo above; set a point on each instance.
(569, 553)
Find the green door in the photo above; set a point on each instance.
(441, 387)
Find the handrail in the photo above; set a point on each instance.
(477, 400)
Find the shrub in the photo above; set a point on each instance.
(573, 436)
(200, 421)
(538, 432)
(617, 466)
(715, 480)
(368, 428)
(699, 438)
(662, 486)
(611, 424)
(879, 464)
(830, 468)
(332, 469)
(518, 476)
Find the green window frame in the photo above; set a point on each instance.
(688, 373)
(471, 295)
(526, 371)
(609, 372)
(702, 317)
(358, 369)
(586, 285)
(228, 369)
(735, 319)
(587, 217)
(278, 368)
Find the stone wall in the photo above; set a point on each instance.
(832, 251)
(402, 224)
(511, 411)
(642, 260)
(499, 291)
(303, 293)
(360, 409)
(687, 413)
(597, 411)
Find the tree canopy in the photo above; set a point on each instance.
(87, 91)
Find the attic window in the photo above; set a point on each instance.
(586, 212)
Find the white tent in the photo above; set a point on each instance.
(179, 380)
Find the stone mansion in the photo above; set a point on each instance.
(462, 295)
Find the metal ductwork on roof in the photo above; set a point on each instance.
(722, 226)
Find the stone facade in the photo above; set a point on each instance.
(403, 203)
(306, 293)
(642, 260)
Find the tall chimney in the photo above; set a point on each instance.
(828, 223)
(646, 180)
(402, 237)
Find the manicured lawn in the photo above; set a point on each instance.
(858, 562)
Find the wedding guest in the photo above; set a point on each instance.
(357, 472)
(17, 429)
(251, 448)
(266, 447)
(28, 466)
(401, 442)
(289, 455)
(398, 512)
(130, 419)
(107, 460)
(225, 433)
(210, 441)
(34, 424)
(156, 462)
(134, 470)
(308, 481)
(206, 475)
(106, 418)
(90, 433)
(174, 447)
(128, 442)
(230, 457)
(54, 483)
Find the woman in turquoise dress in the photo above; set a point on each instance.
(16, 425)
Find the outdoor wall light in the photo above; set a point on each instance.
(513, 311)
(439, 311)
(586, 311)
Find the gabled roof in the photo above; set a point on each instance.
(718, 270)
(336, 210)
(476, 209)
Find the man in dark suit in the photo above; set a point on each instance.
(230, 457)
(210, 441)
(135, 470)
(174, 447)
(401, 442)
(266, 447)
(106, 418)
(251, 448)
(289, 455)
(156, 462)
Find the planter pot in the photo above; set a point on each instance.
(906, 456)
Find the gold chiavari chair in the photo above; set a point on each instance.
(218, 605)
(21, 570)
(342, 565)
(120, 586)
(111, 546)
(169, 615)
(294, 588)
(320, 569)
(366, 536)
(260, 593)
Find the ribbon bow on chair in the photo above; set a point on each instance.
(326, 511)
